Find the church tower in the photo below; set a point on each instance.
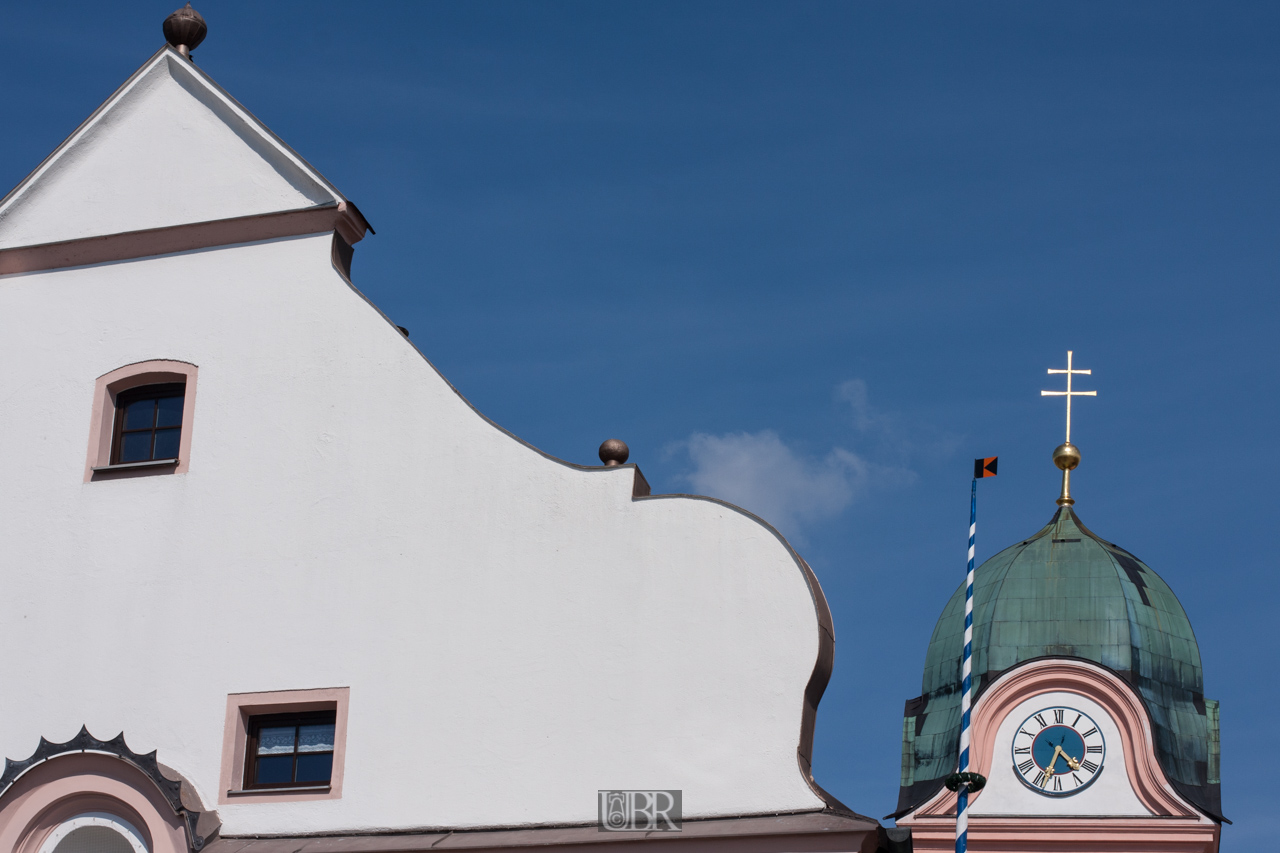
(1089, 718)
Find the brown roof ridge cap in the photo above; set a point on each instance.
(759, 819)
(520, 827)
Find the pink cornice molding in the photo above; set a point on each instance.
(1146, 777)
(102, 418)
(1067, 834)
(351, 223)
(79, 783)
(344, 218)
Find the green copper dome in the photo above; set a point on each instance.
(1065, 593)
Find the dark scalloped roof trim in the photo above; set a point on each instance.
(170, 789)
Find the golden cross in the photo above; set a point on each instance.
(1069, 393)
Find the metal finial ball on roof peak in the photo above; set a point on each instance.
(1066, 456)
(614, 452)
(185, 29)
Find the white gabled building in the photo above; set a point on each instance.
(330, 606)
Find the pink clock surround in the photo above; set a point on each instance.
(1174, 826)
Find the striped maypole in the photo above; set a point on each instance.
(962, 807)
(963, 781)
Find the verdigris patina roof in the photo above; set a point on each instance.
(1066, 593)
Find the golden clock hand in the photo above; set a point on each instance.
(1071, 762)
(1048, 771)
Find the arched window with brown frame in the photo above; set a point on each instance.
(148, 423)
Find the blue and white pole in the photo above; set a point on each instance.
(962, 805)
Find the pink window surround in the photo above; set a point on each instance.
(79, 783)
(1174, 826)
(235, 739)
(102, 422)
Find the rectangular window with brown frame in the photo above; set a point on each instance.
(289, 750)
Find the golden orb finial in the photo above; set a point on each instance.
(1066, 456)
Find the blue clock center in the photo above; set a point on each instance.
(1042, 749)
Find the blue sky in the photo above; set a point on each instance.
(814, 258)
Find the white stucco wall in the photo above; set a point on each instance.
(168, 148)
(1110, 794)
(516, 633)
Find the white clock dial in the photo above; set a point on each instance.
(1058, 751)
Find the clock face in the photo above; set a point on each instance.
(1058, 751)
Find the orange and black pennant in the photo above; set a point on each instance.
(984, 467)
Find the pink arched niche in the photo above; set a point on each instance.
(69, 785)
(933, 824)
(102, 420)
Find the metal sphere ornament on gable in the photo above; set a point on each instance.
(614, 452)
(185, 29)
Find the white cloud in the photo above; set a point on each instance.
(865, 416)
(892, 435)
(794, 490)
(762, 474)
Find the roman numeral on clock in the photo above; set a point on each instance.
(1025, 732)
(1025, 767)
(1096, 749)
(1089, 765)
(1090, 733)
(1057, 783)
(1042, 779)
(1058, 716)
(1022, 750)
(1040, 720)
